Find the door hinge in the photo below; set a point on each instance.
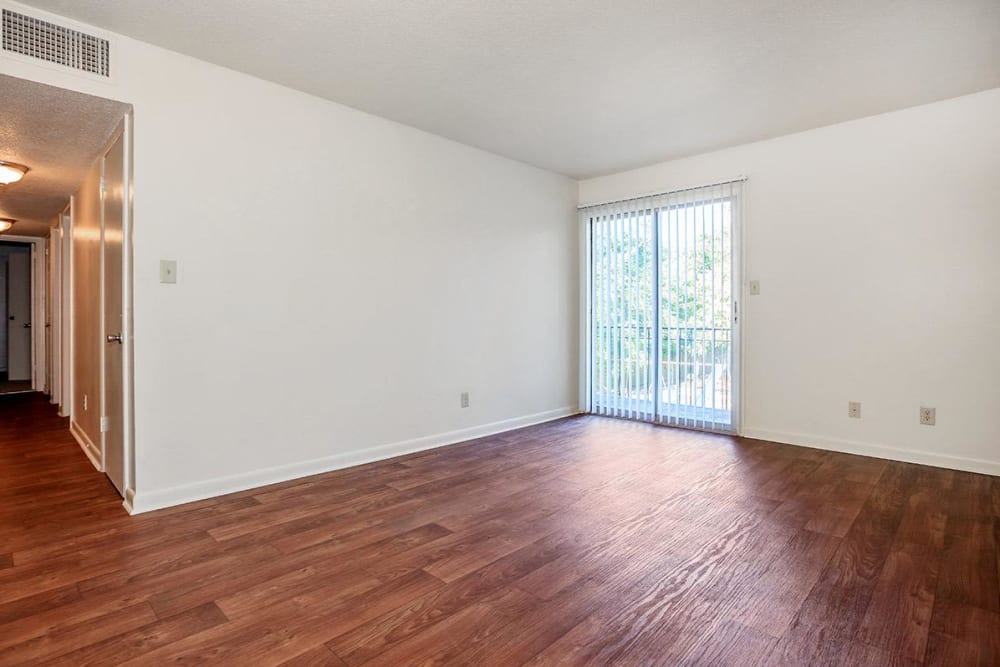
(736, 311)
(104, 424)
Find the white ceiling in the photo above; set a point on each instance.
(586, 87)
(58, 134)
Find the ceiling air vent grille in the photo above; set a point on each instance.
(35, 38)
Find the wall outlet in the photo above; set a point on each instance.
(755, 287)
(465, 399)
(854, 410)
(928, 416)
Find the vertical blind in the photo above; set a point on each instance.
(663, 287)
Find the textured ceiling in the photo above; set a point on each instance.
(585, 87)
(58, 134)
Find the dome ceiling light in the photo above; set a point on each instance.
(11, 172)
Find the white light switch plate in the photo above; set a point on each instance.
(755, 287)
(168, 271)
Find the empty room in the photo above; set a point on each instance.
(456, 332)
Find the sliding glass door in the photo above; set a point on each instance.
(663, 309)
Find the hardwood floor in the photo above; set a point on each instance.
(14, 386)
(583, 541)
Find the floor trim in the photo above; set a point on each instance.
(88, 447)
(878, 451)
(178, 495)
(129, 500)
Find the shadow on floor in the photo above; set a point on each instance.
(14, 386)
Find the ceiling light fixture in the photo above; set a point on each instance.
(5, 224)
(11, 172)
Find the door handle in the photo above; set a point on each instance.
(115, 338)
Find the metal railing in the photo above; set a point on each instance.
(695, 364)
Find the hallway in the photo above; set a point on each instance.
(47, 482)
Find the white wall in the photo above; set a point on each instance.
(342, 279)
(877, 245)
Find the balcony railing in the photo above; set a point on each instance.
(695, 369)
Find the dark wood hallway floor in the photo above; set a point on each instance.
(582, 541)
(14, 386)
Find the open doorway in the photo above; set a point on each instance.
(65, 256)
(15, 308)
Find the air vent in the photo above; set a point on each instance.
(57, 44)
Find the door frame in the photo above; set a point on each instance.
(54, 311)
(65, 288)
(740, 289)
(38, 244)
(125, 131)
(42, 74)
(122, 133)
(128, 323)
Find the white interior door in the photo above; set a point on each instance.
(114, 415)
(19, 316)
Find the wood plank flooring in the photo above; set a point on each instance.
(586, 541)
(14, 386)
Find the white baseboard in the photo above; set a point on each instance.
(877, 451)
(144, 502)
(89, 448)
(129, 500)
